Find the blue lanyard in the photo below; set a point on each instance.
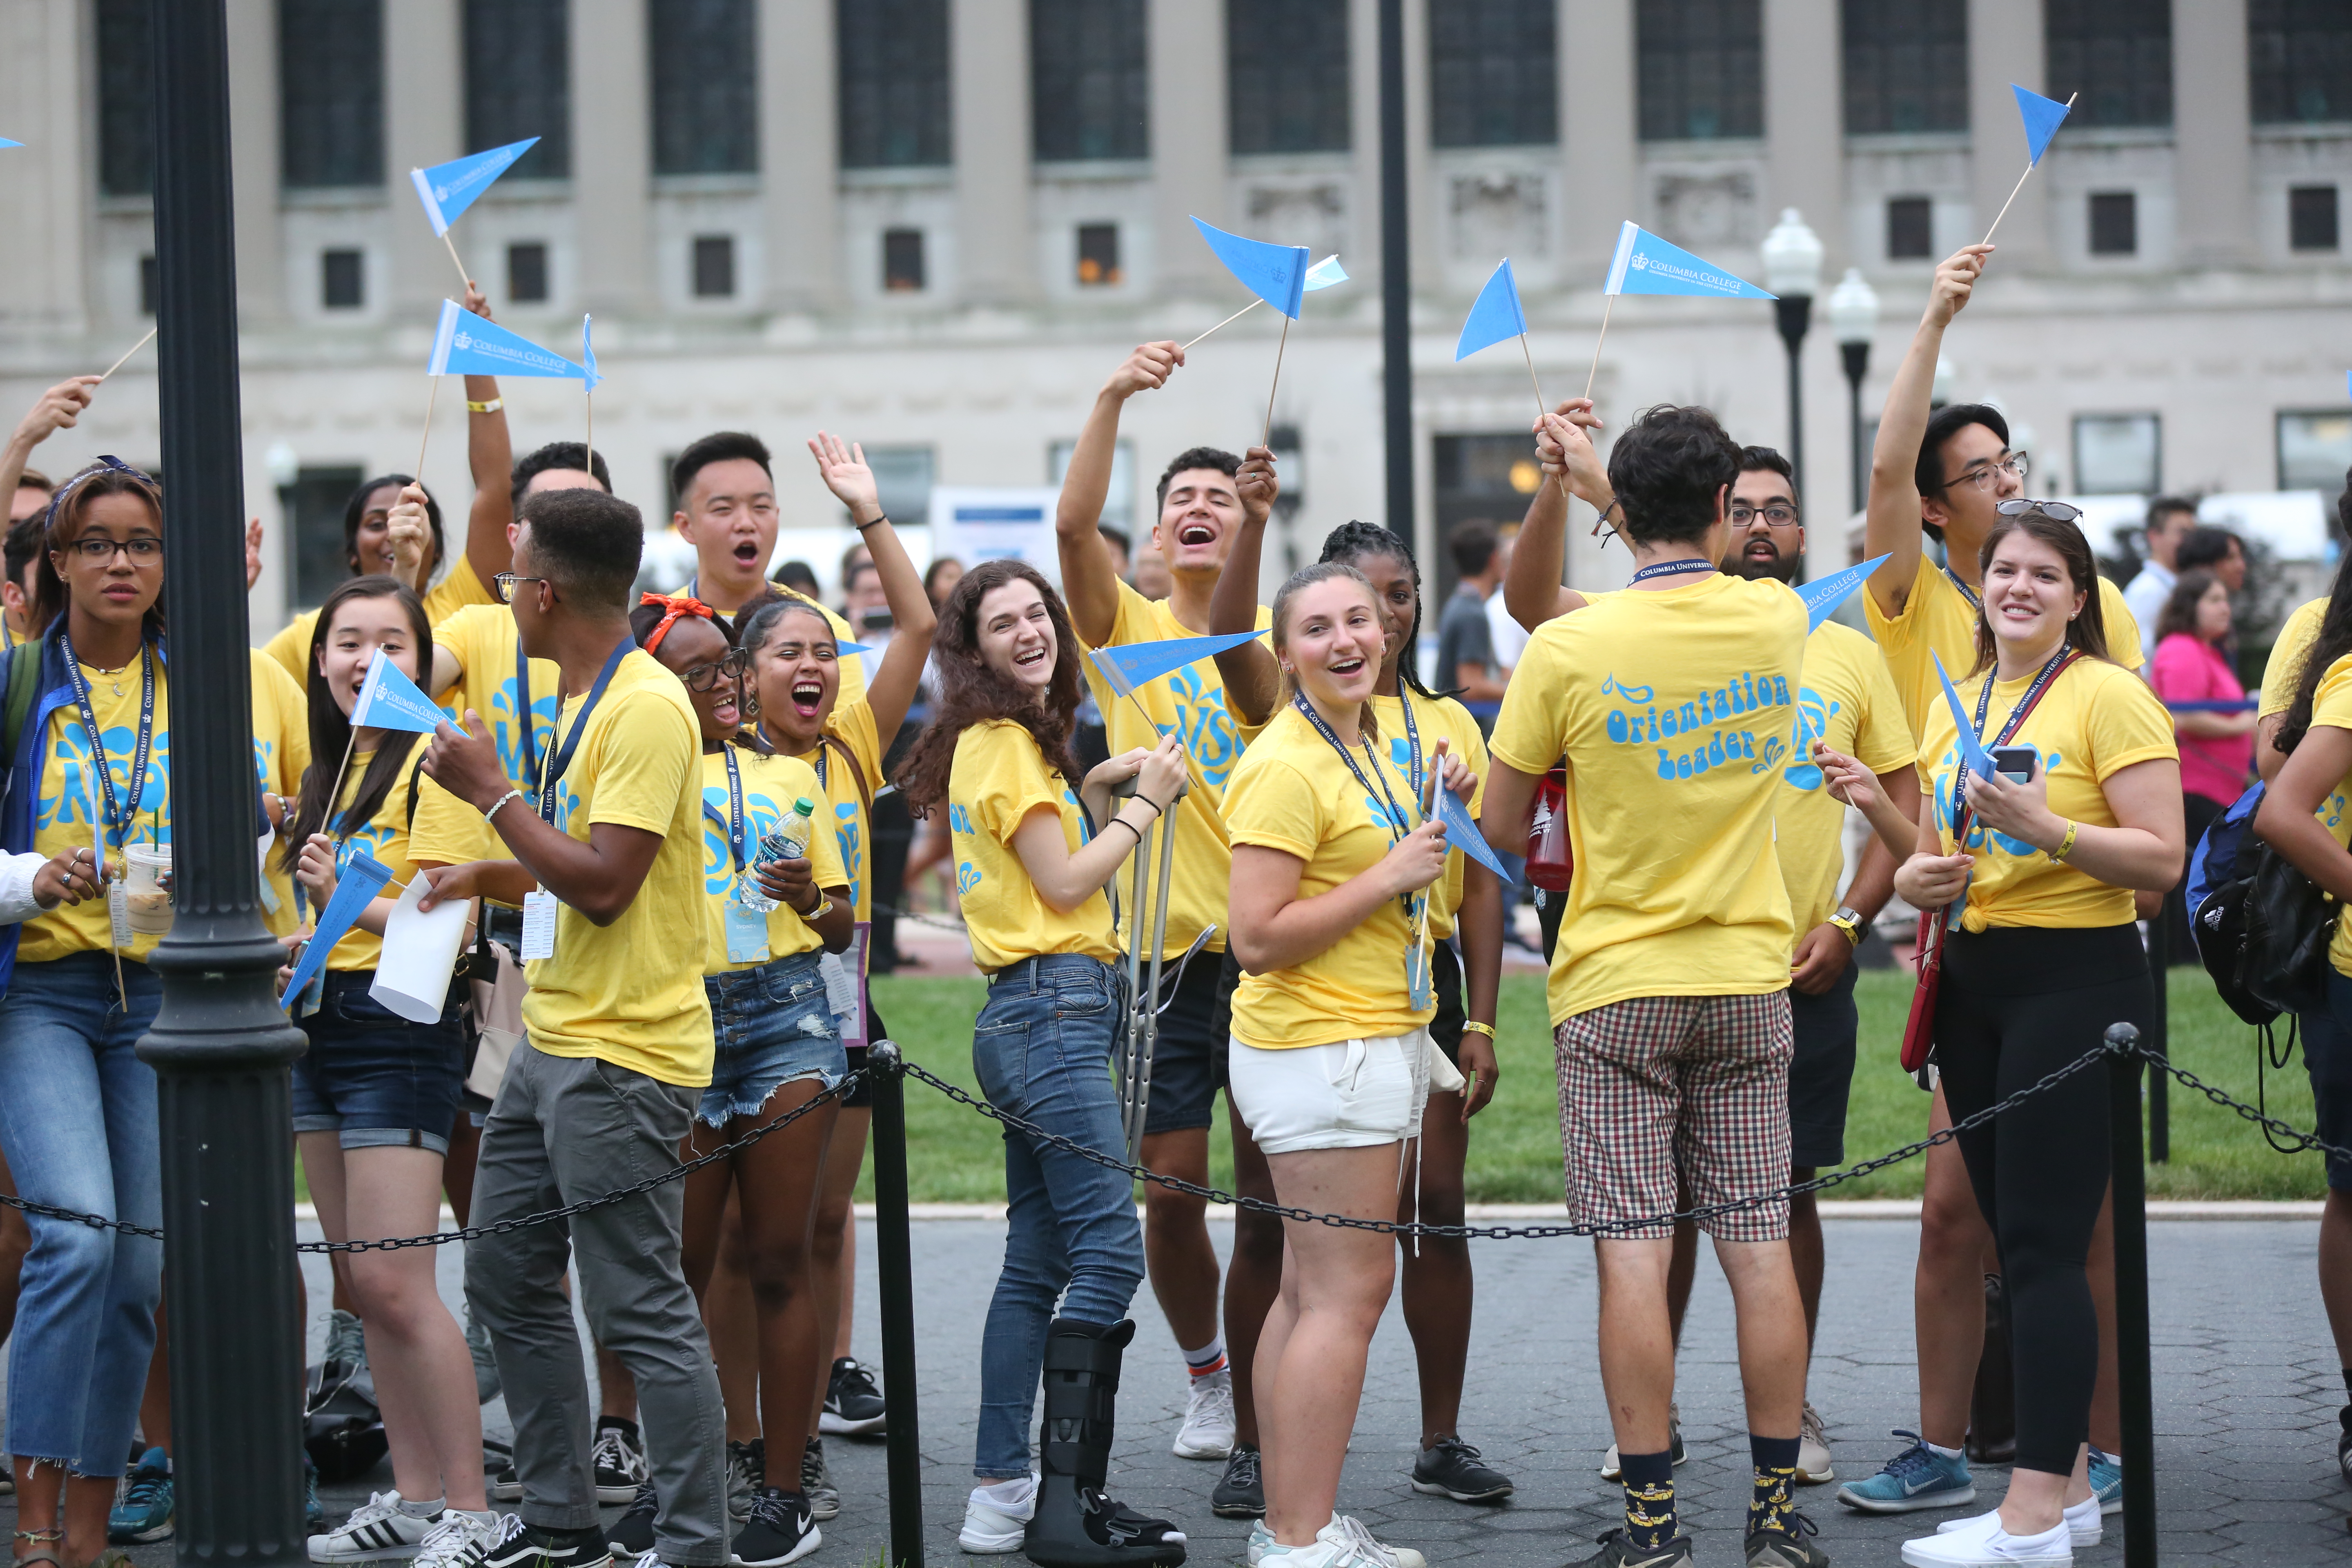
(1398, 826)
(522, 707)
(2016, 717)
(1672, 568)
(119, 820)
(1412, 740)
(562, 758)
(734, 821)
(1976, 602)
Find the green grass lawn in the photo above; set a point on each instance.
(956, 1155)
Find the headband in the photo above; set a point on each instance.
(673, 606)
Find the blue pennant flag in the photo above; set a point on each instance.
(466, 344)
(1462, 834)
(361, 879)
(1645, 263)
(1131, 665)
(588, 353)
(1494, 315)
(1325, 273)
(1275, 273)
(844, 649)
(1972, 749)
(448, 189)
(389, 700)
(2041, 116)
(1823, 595)
(5, 143)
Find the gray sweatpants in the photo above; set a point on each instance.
(565, 1128)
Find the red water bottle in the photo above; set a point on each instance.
(1549, 861)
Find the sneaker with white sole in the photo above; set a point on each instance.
(778, 1530)
(1617, 1551)
(1609, 1468)
(376, 1531)
(1208, 1430)
(854, 1407)
(2106, 1480)
(1453, 1469)
(1261, 1536)
(1353, 1545)
(1983, 1545)
(455, 1539)
(1812, 1449)
(2084, 1528)
(816, 1482)
(1240, 1492)
(994, 1524)
(1917, 1478)
(620, 1459)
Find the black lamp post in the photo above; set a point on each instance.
(220, 1044)
(1793, 270)
(1853, 318)
(1396, 277)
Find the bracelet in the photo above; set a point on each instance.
(1122, 822)
(510, 795)
(823, 904)
(1473, 1026)
(878, 518)
(2066, 845)
(492, 406)
(1157, 809)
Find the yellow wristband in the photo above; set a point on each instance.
(492, 406)
(1474, 1028)
(2066, 845)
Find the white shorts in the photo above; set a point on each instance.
(1349, 1094)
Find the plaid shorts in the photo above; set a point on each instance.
(1654, 1088)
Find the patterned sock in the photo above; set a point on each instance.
(1771, 1502)
(1649, 1481)
(1209, 1359)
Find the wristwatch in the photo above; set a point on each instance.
(1851, 923)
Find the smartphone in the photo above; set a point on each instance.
(2014, 763)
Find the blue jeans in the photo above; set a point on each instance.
(1041, 1050)
(772, 1027)
(78, 1124)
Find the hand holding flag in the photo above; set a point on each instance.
(1972, 749)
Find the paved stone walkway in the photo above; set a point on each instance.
(2246, 1387)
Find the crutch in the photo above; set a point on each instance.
(1143, 1033)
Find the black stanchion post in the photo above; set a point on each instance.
(896, 1272)
(2136, 1375)
(2159, 1102)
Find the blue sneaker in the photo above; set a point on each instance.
(1917, 1478)
(314, 1515)
(143, 1510)
(2106, 1480)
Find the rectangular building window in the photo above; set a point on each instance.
(341, 279)
(894, 83)
(2116, 55)
(1910, 228)
(1098, 254)
(519, 83)
(2300, 59)
(1286, 75)
(714, 267)
(149, 285)
(902, 261)
(1494, 73)
(126, 98)
(902, 481)
(331, 92)
(1090, 94)
(1701, 68)
(1906, 65)
(2314, 449)
(314, 515)
(2118, 454)
(2310, 217)
(2114, 223)
(1118, 506)
(706, 86)
(526, 273)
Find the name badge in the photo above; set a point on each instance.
(1416, 978)
(117, 913)
(747, 934)
(268, 893)
(538, 925)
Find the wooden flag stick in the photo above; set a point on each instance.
(1268, 433)
(1542, 408)
(2019, 186)
(1595, 371)
(1236, 316)
(335, 795)
(418, 473)
(452, 244)
(142, 344)
(588, 446)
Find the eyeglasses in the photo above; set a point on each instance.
(1773, 516)
(144, 550)
(2015, 463)
(703, 677)
(505, 584)
(2055, 510)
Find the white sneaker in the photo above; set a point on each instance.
(1261, 1537)
(2083, 1524)
(1983, 1545)
(1812, 1450)
(455, 1538)
(376, 1529)
(1208, 1430)
(993, 1523)
(1352, 1546)
(1609, 1469)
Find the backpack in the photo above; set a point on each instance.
(23, 688)
(2261, 927)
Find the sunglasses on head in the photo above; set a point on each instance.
(2055, 510)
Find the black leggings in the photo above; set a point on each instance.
(2016, 1003)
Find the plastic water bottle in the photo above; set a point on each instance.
(789, 842)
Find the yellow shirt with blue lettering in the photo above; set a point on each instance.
(281, 751)
(72, 802)
(848, 794)
(386, 835)
(1847, 700)
(482, 639)
(771, 785)
(997, 778)
(1675, 710)
(1446, 718)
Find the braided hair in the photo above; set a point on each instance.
(1355, 541)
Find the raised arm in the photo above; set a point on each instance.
(1089, 581)
(490, 455)
(1891, 523)
(1252, 680)
(892, 690)
(57, 409)
(1531, 585)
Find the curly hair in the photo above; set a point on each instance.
(1356, 541)
(972, 693)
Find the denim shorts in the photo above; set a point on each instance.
(374, 1078)
(772, 1028)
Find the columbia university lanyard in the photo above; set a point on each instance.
(734, 822)
(522, 702)
(119, 821)
(1976, 601)
(2016, 717)
(1398, 827)
(561, 759)
(1671, 569)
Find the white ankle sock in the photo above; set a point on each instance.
(1209, 1359)
(1014, 1493)
(422, 1509)
(1943, 1453)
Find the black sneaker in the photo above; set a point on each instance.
(853, 1405)
(1617, 1552)
(816, 1482)
(1240, 1491)
(515, 1544)
(778, 1530)
(2343, 1442)
(504, 1485)
(1450, 1468)
(747, 1472)
(620, 1456)
(1786, 1548)
(632, 1535)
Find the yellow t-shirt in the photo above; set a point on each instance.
(1940, 616)
(631, 993)
(281, 751)
(852, 725)
(67, 811)
(1294, 793)
(1191, 703)
(2095, 720)
(483, 640)
(1675, 710)
(386, 835)
(458, 587)
(771, 785)
(997, 778)
(2331, 705)
(1847, 699)
(1450, 720)
(2285, 670)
